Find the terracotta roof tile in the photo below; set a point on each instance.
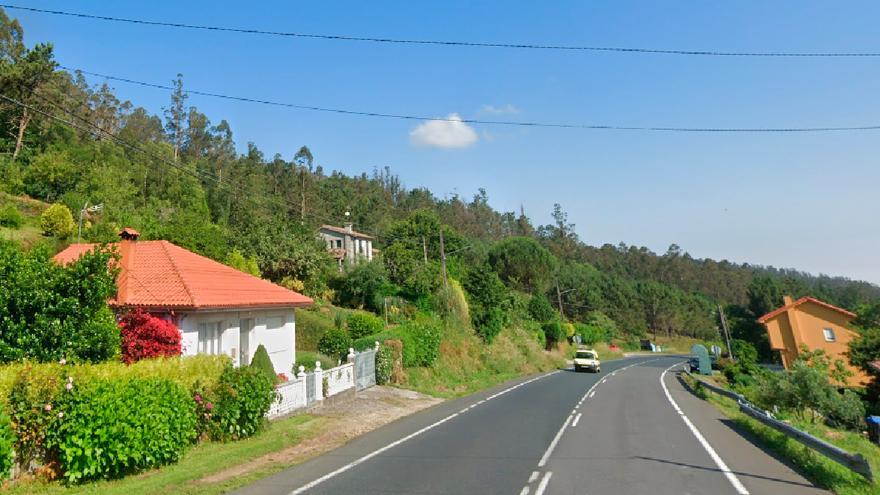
(779, 311)
(159, 274)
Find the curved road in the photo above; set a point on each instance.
(633, 429)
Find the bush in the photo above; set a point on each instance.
(108, 428)
(311, 325)
(263, 363)
(489, 301)
(335, 343)
(57, 221)
(50, 311)
(236, 407)
(590, 335)
(308, 359)
(553, 333)
(7, 443)
(361, 324)
(32, 398)
(10, 217)
(364, 285)
(540, 308)
(146, 336)
(384, 365)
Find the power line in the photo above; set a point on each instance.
(481, 121)
(447, 43)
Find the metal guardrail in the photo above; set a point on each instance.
(855, 462)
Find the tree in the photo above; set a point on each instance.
(23, 74)
(175, 116)
(488, 301)
(364, 285)
(145, 336)
(263, 364)
(50, 312)
(523, 264)
(238, 261)
(541, 310)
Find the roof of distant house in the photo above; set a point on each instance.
(161, 275)
(343, 230)
(875, 365)
(779, 311)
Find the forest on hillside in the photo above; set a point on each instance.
(178, 176)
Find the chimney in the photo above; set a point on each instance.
(129, 234)
(348, 226)
(787, 301)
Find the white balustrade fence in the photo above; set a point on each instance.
(306, 389)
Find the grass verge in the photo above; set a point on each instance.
(819, 469)
(186, 477)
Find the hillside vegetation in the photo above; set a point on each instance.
(178, 176)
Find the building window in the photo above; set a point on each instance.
(209, 337)
(829, 335)
(339, 243)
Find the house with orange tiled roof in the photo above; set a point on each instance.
(814, 324)
(218, 309)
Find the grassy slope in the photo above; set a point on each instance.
(30, 209)
(814, 466)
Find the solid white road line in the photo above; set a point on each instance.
(737, 485)
(554, 442)
(543, 484)
(592, 394)
(533, 476)
(332, 474)
(576, 419)
(524, 491)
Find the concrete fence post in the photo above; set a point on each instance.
(377, 346)
(319, 381)
(351, 355)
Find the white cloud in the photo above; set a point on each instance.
(449, 133)
(502, 110)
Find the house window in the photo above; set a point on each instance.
(339, 243)
(209, 337)
(829, 335)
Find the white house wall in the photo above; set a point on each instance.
(280, 342)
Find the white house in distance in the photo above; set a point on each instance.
(218, 309)
(345, 244)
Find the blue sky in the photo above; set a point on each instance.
(807, 201)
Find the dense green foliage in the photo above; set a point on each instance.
(236, 406)
(335, 343)
(10, 216)
(262, 363)
(361, 323)
(108, 428)
(308, 359)
(553, 333)
(384, 365)
(523, 263)
(364, 285)
(488, 301)
(7, 444)
(57, 221)
(49, 312)
(540, 308)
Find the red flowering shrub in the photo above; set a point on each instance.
(146, 336)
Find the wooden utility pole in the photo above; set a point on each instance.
(559, 300)
(726, 332)
(443, 260)
(425, 250)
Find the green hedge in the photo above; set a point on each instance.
(308, 359)
(421, 341)
(7, 444)
(335, 343)
(310, 327)
(236, 407)
(384, 365)
(108, 428)
(360, 324)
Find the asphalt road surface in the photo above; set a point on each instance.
(631, 429)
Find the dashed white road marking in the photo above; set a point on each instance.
(737, 485)
(533, 476)
(576, 419)
(592, 394)
(543, 484)
(524, 491)
(332, 474)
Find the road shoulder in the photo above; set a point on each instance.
(759, 469)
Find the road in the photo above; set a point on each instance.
(632, 429)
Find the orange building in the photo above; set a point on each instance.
(815, 324)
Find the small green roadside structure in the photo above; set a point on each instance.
(699, 351)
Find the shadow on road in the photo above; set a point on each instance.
(738, 473)
(748, 436)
